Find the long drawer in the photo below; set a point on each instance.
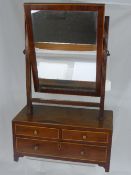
(35, 131)
(86, 136)
(71, 151)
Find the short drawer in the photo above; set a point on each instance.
(87, 136)
(35, 131)
(37, 147)
(91, 153)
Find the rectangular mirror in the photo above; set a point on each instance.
(56, 33)
(66, 47)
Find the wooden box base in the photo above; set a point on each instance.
(64, 133)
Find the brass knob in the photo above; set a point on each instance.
(84, 137)
(35, 132)
(59, 146)
(36, 147)
(82, 153)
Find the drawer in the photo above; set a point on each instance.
(37, 147)
(87, 136)
(91, 153)
(63, 150)
(35, 131)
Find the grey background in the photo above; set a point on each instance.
(12, 77)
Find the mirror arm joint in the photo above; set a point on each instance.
(107, 52)
(24, 51)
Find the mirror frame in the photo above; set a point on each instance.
(30, 50)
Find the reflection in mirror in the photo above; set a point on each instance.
(66, 65)
(65, 44)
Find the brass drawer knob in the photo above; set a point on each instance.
(35, 132)
(36, 147)
(59, 146)
(82, 153)
(84, 137)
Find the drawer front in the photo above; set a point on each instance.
(70, 151)
(90, 153)
(37, 147)
(34, 131)
(87, 136)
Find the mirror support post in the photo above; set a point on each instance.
(28, 75)
(28, 85)
(103, 80)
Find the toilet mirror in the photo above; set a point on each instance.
(64, 43)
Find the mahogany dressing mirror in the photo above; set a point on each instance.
(66, 49)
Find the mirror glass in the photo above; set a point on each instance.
(65, 44)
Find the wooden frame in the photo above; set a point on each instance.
(69, 7)
(55, 86)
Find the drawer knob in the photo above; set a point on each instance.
(35, 132)
(36, 147)
(59, 146)
(84, 137)
(82, 153)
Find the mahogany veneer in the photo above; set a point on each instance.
(64, 133)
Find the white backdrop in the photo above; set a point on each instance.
(12, 76)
